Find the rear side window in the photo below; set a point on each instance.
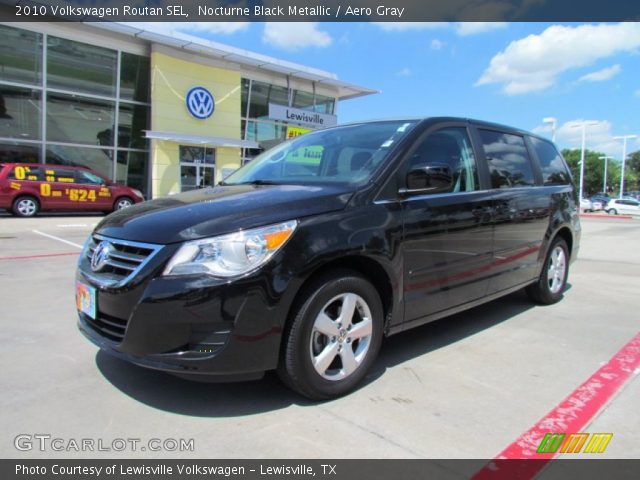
(63, 176)
(508, 160)
(21, 172)
(554, 170)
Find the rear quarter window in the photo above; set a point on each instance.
(553, 166)
(22, 172)
(507, 158)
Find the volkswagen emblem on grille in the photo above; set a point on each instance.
(100, 256)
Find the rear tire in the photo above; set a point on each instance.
(334, 336)
(26, 206)
(553, 279)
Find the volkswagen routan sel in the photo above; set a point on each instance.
(304, 259)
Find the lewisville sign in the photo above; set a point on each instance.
(297, 115)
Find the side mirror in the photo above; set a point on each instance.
(430, 178)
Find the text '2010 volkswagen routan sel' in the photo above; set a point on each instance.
(304, 259)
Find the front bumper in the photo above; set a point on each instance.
(193, 326)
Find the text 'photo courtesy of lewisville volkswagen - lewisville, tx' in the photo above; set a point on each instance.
(341, 240)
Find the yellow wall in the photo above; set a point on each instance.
(171, 80)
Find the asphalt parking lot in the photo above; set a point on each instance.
(463, 387)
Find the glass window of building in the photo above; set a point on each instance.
(20, 55)
(266, 131)
(20, 113)
(324, 104)
(80, 67)
(134, 77)
(132, 169)
(11, 152)
(303, 100)
(132, 120)
(262, 94)
(98, 159)
(74, 119)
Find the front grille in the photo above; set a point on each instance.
(124, 261)
(110, 327)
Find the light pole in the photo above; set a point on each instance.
(624, 139)
(606, 159)
(553, 121)
(584, 125)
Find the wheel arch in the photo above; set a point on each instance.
(369, 268)
(566, 235)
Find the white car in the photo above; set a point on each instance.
(624, 206)
(586, 205)
(597, 205)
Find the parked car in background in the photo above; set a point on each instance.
(586, 205)
(28, 188)
(598, 204)
(635, 195)
(624, 206)
(600, 198)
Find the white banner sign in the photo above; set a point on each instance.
(297, 115)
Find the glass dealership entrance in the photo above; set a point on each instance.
(197, 167)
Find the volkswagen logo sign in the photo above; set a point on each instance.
(200, 102)
(100, 256)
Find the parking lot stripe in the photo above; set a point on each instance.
(43, 255)
(57, 238)
(570, 416)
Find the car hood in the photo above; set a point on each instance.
(219, 210)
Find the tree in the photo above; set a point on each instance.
(632, 175)
(593, 171)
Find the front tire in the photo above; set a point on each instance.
(553, 279)
(121, 203)
(334, 336)
(26, 206)
(612, 211)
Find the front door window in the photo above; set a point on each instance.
(197, 167)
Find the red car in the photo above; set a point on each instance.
(27, 188)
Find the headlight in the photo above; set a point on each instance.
(230, 255)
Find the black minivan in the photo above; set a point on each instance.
(305, 258)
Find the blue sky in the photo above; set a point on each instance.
(511, 73)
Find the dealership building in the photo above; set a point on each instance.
(159, 113)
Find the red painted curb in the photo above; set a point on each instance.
(29, 257)
(610, 217)
(570, 415)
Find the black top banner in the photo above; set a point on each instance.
(319, 10)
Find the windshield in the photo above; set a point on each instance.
(348, 154)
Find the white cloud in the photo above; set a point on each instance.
(637, 93)
(215, 27)
(437, 44)
(294, 36)
(170, 28)
(473, 28)
(404, 72)
(598, 137)
(533, 63)
(462, 29)
(410, 26)
(601, 75)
